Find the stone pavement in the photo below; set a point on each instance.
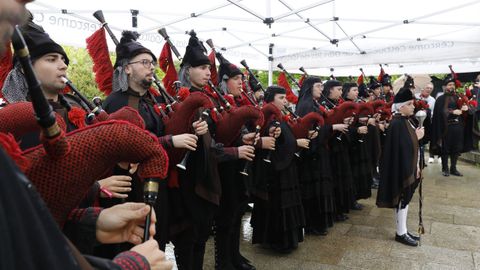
(451, 216)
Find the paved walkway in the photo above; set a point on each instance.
(365, 241)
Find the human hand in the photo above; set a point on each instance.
(124, 223)
(268, 143)
(201, 127)
(340, 127)
(246, 152)
(312, 134)
(250, 138)
(457, 112)
(362, 130)
(155, 257)
(117, 185)
(186, 140)
(303, 143)
(420, 132)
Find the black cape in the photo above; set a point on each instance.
(398, 164)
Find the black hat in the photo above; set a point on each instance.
(129, 47)
(362, 91)
(227, 70)
(346, 88)
(386, 80)
(448, 79)
(195, 54)
(272, 91)
(409, 82)
(373, 84)
(403, 95)
(328, 85)
(39, 42)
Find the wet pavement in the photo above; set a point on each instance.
(451, 215)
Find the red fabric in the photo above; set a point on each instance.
(102, 65)
(342, 111)
(77, 117)
(183, 93)
(458, 84)
(19, 119)
(6, 64)
(230, 100)
(380, 76)
(8, 143)
(165, 62)
(473, 103)
(365, 109)
(229, 127)
(468, 93)
(270, 113)
(283, 82)
(360, 79)
(302, 79)
(213, 68)
(303, 125)
(63, 182)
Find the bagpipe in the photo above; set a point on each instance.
(65, 166)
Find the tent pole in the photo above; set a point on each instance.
(270, 64)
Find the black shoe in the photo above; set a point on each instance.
(357, 206)
(315, 232)
(455, 172)
(414, 237)
(406, 240)
(243, 266)
(445, 173)
(341, 218)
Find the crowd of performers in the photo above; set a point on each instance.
(199, 149)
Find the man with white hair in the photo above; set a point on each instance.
(425, 95)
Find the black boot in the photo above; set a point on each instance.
(445, 171)
(222, 250)
(238, 261)
(453, 167)
(198, 254)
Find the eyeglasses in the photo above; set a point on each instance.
(145, 62)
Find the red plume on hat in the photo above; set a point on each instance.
(455, 77)
(6, 64)
(283, 82)
(360, 79)
(302, 79)
(213, 68)
(165, 62)
(382, 73)
(102, 65)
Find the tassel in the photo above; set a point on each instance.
(6, 64)
(283, 82)
(77, 117)
(102, 65)
(8, 143)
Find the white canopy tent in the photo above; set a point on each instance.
(407, 36)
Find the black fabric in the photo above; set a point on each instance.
(361, 164)
(32, 139)
(386, 80)
(448, 79)
(227, 70)
(346, 89)
(30, 237)
(398, 164)
(194, 53)
(129, 47)
(450, 134)
(39, 42)
(373, 83)
(272, 91)
(278, 221)
(403, 95)
(153, 123)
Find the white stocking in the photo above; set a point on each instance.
(401, 219)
